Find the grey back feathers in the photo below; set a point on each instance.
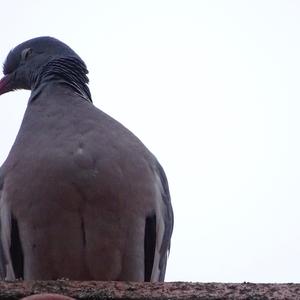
(81, 197)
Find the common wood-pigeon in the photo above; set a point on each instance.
(81, 196)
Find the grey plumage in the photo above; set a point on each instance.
(80, 196)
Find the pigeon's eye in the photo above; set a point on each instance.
(26, 53)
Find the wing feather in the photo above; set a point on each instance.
(168, 223)
(6, 269)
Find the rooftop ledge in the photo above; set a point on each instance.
(146, 291)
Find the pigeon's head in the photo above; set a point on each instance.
(30, 61)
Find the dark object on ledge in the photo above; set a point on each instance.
(47, 297)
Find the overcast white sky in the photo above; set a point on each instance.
(212, 89)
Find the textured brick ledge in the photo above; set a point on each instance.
(146, 291)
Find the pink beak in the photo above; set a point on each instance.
(5, 84)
